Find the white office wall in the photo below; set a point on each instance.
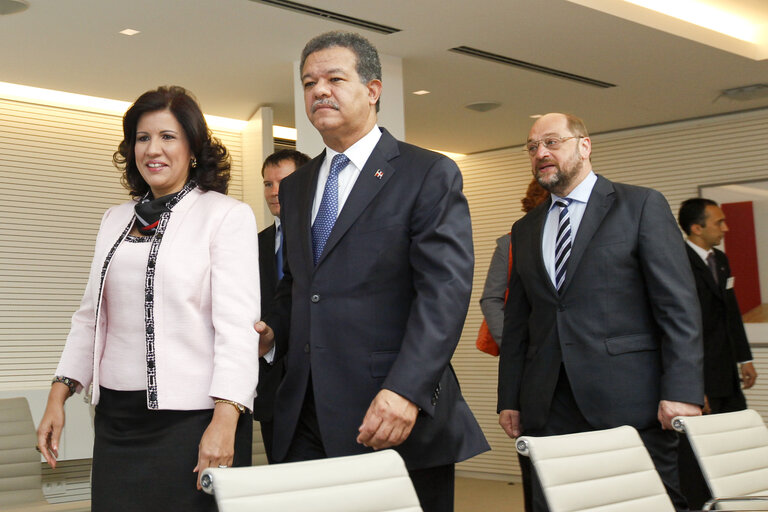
(673, 158)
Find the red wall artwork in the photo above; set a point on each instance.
(741, 247)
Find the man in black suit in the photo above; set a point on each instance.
(725, 341)
(277, 166)
(376, 287)
(601, 325)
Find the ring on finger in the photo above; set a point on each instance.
(223, 465)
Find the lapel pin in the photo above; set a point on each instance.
(378, 174)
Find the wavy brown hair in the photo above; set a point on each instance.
(534, 196)
(213, 162)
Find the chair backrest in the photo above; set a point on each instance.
(603, 470)
(732, 451)
(372, 482)
(20, 469)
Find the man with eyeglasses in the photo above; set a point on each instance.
(602, 325)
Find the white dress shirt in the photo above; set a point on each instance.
(579, 197)
(358, 153)
(278, 234)
(703, 253)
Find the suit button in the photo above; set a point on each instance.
(315, 298)
(306, 348)
(561, 307)
(434, 401)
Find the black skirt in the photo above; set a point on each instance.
(143, 459)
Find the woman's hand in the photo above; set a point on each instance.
(49, 430)
(217, 446)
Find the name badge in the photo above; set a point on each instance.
(729, 283)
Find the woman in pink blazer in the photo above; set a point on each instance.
(164, 335)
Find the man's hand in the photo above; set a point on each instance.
(509, 420)
(748, 375)
(668, 410)
(388, 421)
(266, 337)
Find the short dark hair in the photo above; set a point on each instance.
(693, 211)
(281, 155)
(213, 162)
(368, 65)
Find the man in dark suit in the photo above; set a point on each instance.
(376, 286)
(277, 166)
(601, 326)
(725, 341)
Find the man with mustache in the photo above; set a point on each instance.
(602, 326)
(377, 283)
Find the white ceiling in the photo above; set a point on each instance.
(237, 55)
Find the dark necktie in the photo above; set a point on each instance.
(713, 266)
(279, 254)
(562, 242)
(329, 207)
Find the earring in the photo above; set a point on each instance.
(193, 162)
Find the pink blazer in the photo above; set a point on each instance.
(200, 341)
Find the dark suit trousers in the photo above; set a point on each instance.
(566, 418)
(434, 486)
(692, 481)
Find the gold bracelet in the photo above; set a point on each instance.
(240, 408)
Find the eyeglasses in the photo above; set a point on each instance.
(551, 143)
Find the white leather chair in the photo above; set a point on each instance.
(732, 451)
(604, 470)
(21, 487)
(372, 482)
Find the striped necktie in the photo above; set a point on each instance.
(562, 242)
(329, 207)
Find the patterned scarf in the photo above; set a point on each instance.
(148, 210)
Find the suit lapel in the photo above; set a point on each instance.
(600, 202)
(702, 271)
(374, 176)
(306, 191)
(539, 219)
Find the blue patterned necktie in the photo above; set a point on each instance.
(562, 242)
(329, 207)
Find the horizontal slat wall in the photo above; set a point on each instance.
(56, 181)
(675, 159)
(757, 396)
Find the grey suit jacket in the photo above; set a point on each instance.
(626, 324)
(492, 300)
(384, 306)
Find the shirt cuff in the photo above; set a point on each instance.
(269, 357)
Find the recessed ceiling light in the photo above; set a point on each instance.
(483, 106)
(421, 92)
(13, 6)
(129, 32)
